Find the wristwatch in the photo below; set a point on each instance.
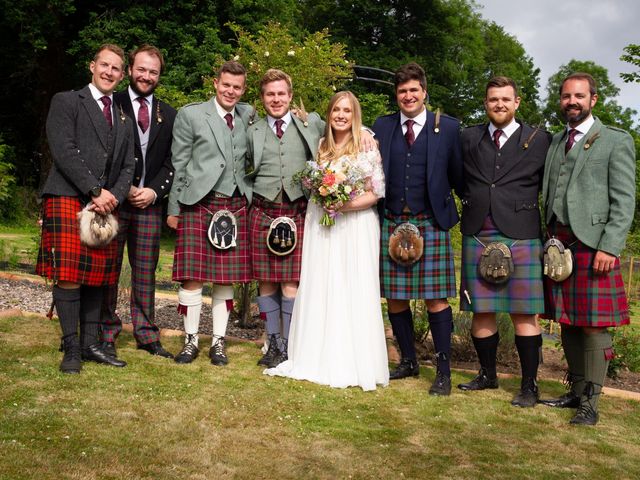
(96, 191)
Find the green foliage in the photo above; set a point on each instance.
(373, 106)
(458, 49)
(632, 56)
(318, 68)
(626, 345)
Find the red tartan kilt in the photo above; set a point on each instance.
(196, 259)
(62, 257)
(268, 267)
(585, 299)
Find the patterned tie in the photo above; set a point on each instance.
(409, 135)
(106, 110)
(496, 137)
(143, 114)
(571, 140)
(229, 118)
(279, 131)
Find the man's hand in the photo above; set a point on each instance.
(141, 197)
(367, 142)
(603, 262)
(172, 221)
(104, 203)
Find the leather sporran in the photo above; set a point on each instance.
(96, 230)
(223, 230)
(406, 244)
(558, 260)
(282, 237)
(496, 263)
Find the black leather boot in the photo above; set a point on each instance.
(406, 368)
(71, 361)
(527, 397)
(482, 381)
(272, 352)
(442, 384)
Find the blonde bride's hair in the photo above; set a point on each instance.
(328, 150)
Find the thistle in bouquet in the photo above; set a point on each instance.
(331, 186)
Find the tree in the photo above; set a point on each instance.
(631, 56)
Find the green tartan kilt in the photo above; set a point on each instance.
(431, 277)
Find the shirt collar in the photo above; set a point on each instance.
(420, 119)
(272, 121)
(133, 96)
(508, 130)
(584, 127)
(221, 111)
(97, 94)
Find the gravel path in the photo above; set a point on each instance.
(36, 297)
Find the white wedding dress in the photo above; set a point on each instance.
(337, 333)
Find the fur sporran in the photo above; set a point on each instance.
(406, 244)
(558, 260)
(496, 263)
(96, 230)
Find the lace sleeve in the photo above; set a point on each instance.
(371, 164)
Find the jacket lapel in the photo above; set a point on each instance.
(95, 115)
(520, 136)
(155, 122)
(394, 122)
(474, 151)
(258, 133)
(216, 124)
(579, 151)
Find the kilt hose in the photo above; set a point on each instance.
(432, 276)
(523, 293)
(267, 266)
(196, 259)
(585, 299)
(61, 256)
(140, 230)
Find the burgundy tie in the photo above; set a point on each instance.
(571, 140)
(409, 135)
(143, 114)
(279, 131)
(229, 118)
(496, 137)
(106, 110)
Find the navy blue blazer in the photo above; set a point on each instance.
(444, 163)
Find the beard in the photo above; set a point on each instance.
(575, 116)
(136, 89)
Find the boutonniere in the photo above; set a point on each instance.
(123, 117)
(159, 118)
(301, 113)
(591, 140)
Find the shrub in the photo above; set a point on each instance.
(626, 344)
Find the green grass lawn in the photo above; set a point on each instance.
(158, 420)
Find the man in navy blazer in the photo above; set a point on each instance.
(422, 162)
(140, 217)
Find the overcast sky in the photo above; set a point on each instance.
(555, 31)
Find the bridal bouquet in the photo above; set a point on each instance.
(332, 185)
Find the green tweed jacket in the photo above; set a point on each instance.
(601, 190)
(199, 152)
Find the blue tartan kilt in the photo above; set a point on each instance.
(523, 293)
(431, 277)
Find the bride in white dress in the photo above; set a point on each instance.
(337, 333)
